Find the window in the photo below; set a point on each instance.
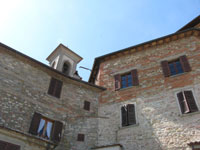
(55, 87)
(53, 65)
(175, 67)
(126, 80)
(46, 128)
(195, 145)
(81, 137)
(8, 146)
(128, 115)
(187, 102)
(66, 68)
(86, 105)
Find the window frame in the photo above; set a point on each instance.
(55, 87)
(118, 79)
(87, 105)
(175, 66)
(136, 116)
(195, 146)
(81, 137)
(185, 65)
(45, 127)
(126, 80)
(9, 145)
(195, 99)
(56, 130)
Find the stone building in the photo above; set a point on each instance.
(145, 97)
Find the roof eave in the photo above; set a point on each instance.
(50, 68)
(191, 24)
(99, 59)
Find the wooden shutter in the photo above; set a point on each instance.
(58, 88)
(183, 103)
(81, 137)
(57, 131)
(124, 116)
(117, 82)
(8, 146)
(55, 87)
(35, 123)
(86, 105)
(2, 145)
(134, 74)
(185, 64)
(12, 147)
(131, 114)
(191, 101)
(165, 68)
(52, 86)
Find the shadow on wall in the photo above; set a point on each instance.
(161, 125)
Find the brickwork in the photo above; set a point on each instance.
(160, 124)
(197, 26)
(23, 90)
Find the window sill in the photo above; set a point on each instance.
(176, 75)
(52, 96)
(126, 88)
(130, 126)
(189, 114)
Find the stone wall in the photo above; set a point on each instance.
(160, 124)
(23, 89)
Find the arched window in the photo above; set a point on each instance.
(53, 65)
(66, 68)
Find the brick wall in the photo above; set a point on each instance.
(160, 125)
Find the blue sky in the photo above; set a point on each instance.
(90, 28)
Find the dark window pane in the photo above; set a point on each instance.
(179, 67)
(130, 81)
(172, 68)
(123, 78)
(126, 80)
(124, 84)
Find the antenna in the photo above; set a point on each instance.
(85, 68)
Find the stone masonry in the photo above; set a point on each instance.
(23, 89)
(160, 125)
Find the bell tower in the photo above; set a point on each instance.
(64, 60)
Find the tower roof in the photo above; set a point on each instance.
(67, 50)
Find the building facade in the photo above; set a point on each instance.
(145, 97)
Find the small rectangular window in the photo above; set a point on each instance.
(55, 87)
(128, 115)
(8, 146)
(195, 146)
(126, 80)
(86, 105)
(187, 102)
(175, 67)
(81, 137)
(178, 66)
